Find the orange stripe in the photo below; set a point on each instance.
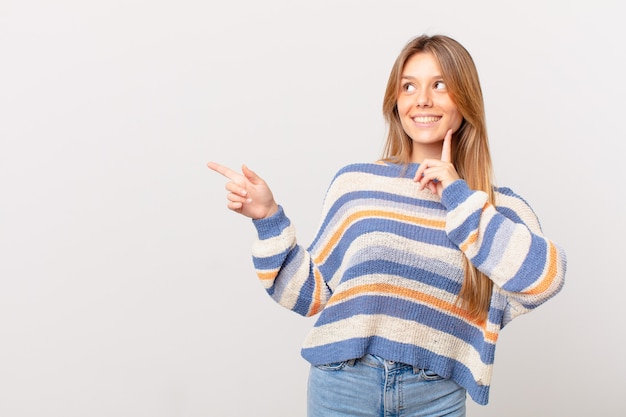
(264, 276)
(407, 293)
(470, 240)
(373, 213)
(551, 273)
(473, 237)
(317, 295)
(490, 336)
(316, 306)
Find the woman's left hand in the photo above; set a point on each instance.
(438, 174)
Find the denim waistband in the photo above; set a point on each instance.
(376, 361)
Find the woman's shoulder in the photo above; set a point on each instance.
(504, 194)
(513, 205)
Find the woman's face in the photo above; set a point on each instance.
(426, 109)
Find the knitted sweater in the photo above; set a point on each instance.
(386, 265)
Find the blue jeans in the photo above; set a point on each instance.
(374, 387)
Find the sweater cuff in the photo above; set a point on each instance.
(272, 226)
(454, 194)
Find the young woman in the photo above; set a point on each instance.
(419, 259)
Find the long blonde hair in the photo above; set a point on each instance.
(470, 147)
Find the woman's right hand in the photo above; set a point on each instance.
(248, 193)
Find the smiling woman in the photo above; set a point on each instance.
(419, 260)
(425, 107)
(127, 286)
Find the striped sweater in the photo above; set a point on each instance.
(386, 265)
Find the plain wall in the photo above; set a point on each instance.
(127, 287)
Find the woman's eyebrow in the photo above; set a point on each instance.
(410, 77)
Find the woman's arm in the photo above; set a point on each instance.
(506, 243)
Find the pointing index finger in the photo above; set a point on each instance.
(446, 150)
(225, 171)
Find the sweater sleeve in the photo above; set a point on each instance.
(285, 268)
(507, 244)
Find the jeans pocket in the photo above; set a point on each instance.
(334, 366)
(429, 375)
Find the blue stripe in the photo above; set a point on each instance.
(377, 196)
(271, 262)
(384, 170)
(510, 214)
(462, 232)
(532, 267)
(409, 310)
(397, 269)
(488, 240)
(271, 226)
(433, 237)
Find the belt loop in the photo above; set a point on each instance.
(351, 362)
(416, 370)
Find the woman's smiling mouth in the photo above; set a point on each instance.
(426, 119)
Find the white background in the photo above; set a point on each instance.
(127, 287)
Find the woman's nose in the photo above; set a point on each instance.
(423, 98)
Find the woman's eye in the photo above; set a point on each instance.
(408, 88)
(440, 85)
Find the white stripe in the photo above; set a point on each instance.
(433, 257)
(275, 245)
(401, 331)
